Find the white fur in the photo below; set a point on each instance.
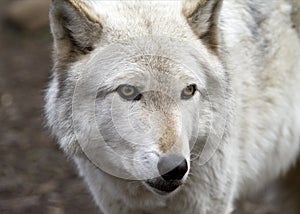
(257, 108)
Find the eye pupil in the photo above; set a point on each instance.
(189, 89)
(129, 92)
(188, 92)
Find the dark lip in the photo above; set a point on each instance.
(163, 187)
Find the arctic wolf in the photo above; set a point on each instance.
(175, 106)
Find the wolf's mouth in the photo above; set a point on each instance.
(162, 187)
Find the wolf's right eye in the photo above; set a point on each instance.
(129, 92)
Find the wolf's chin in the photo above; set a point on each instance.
(162, 187)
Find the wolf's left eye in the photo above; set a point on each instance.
(188, 92)
(129, 92)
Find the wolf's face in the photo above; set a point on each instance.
(137, 107)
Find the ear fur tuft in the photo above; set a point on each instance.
(203, 17)
(75, 28)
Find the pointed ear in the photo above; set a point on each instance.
(75, 28)
(203, 16)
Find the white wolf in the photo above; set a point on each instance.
(175, 106)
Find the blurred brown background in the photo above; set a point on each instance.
(35, 177)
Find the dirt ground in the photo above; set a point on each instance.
(35, 177)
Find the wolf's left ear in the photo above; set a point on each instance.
(75, 28)
(203, 16)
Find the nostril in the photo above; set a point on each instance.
(172, 167)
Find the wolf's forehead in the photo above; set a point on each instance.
(156, 64)
(141, 17)
(144, 71)
(134, 6)
(156, 70)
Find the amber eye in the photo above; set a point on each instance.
(188, 92)
(129, 92)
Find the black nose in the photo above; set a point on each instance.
(172, 167)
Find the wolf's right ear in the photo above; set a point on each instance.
(75, 28)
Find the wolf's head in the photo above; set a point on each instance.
(138, 87)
